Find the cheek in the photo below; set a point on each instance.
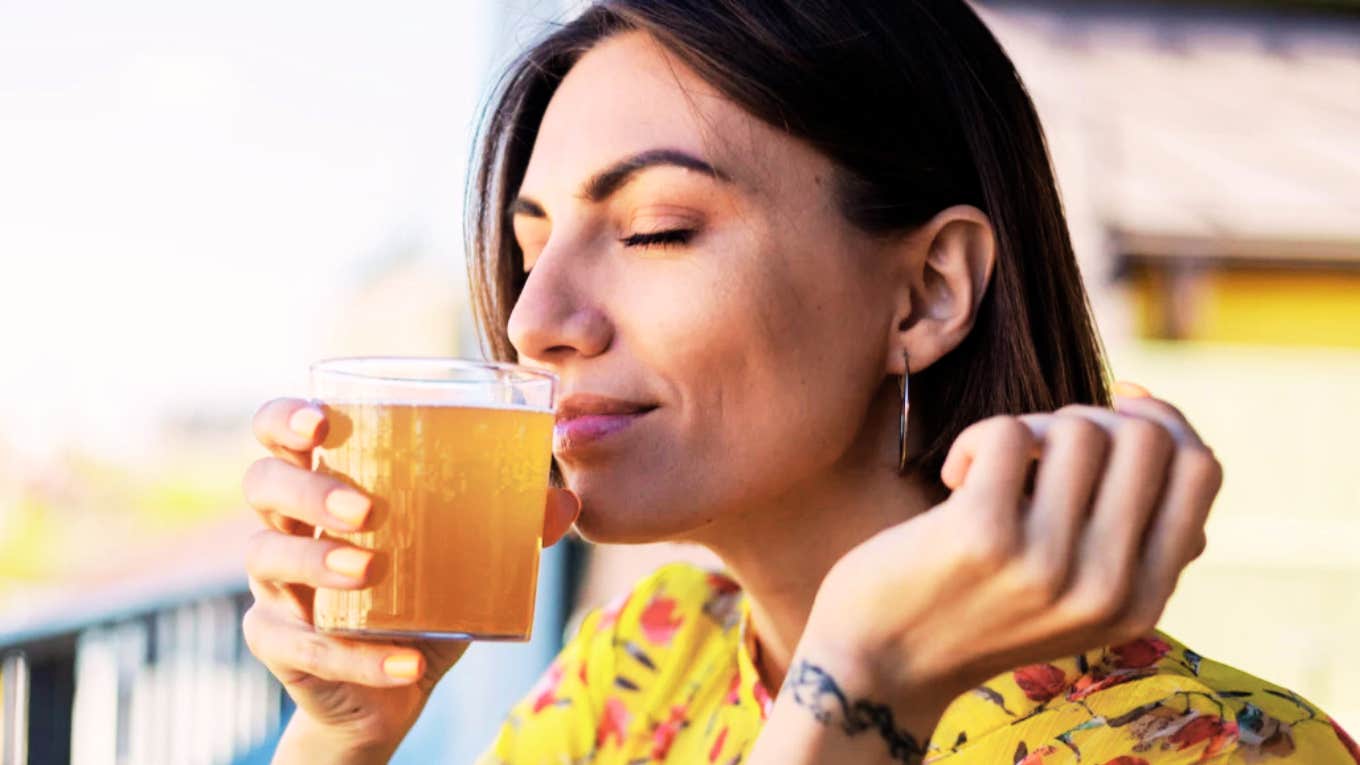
(757, 366)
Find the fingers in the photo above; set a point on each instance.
(563, 506)
(1177, 535)
(1129, 492)
(272, 556)
(294, 652)
(279, 489)
(992, 458)
(1070, 469)
(1163, 414)
(295, 599)
(290, 428)
(1117, 510)
(1101, 481)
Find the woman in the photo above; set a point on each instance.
(741, 231)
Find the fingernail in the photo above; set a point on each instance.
(1130, 390)
(402, 666)
(304, 421)
(347, 561)
(350, 507)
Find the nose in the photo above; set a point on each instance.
(557, 314)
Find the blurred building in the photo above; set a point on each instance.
(1210, 166)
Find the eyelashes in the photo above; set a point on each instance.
(677, 237)
(672, 238)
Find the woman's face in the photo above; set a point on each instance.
(755, 319)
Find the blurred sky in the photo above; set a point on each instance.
(186, 189)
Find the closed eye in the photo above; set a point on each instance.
(672, 238)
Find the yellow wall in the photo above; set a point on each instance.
(1277, 593)
(1259, 306)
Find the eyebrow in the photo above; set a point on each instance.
(616, 176)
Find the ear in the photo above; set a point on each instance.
(948, 265)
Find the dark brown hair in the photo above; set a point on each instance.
(918, 107)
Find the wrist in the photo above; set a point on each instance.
(306, 741)
(863, 691)
(832, 708)
(903, 669)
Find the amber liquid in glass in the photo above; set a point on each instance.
(457, 520)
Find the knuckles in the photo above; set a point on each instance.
(1098, 603)
(1010, 431)
(1035, 584)
(1198, 546)
(1200, 464)
(987, 547)
(1145, 435)
(984, 553)
(1074, 429)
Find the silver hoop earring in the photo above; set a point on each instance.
(902, 421)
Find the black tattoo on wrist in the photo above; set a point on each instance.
(813, 688)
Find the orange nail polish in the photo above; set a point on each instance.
(1130, 390)
(348, 561)
(350, 507)
(402, 666)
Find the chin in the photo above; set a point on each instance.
(613, 512)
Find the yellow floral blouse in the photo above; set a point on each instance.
(665, 674)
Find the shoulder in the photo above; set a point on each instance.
(1145, 701)
(1251, 717)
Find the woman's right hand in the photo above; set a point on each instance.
(356, 699)
(1066, 531)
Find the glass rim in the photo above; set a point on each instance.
(335, 366)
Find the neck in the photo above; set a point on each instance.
(780, 550)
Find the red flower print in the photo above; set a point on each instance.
(762, 698)
(1140, 653)
(1040, 682)
(717, 745)
(1094, 682)
(664, 735)
(581, 673)
(1125, 759)
(545, 690)
(733, 696)
(659, 620)
(1218, 732)
(613, 723)
(1347, 742)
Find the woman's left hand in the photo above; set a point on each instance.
(1024, 562)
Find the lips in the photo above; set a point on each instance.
(587, 404)
(586, 421)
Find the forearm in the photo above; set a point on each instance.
(832, 710)
(305, 743)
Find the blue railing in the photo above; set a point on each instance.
(171, 684)
(157, 672)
